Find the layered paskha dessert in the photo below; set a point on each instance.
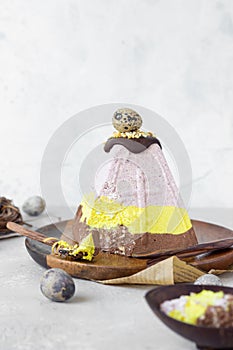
(138, 208)
(207, 308)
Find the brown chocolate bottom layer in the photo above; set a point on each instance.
(120, 241)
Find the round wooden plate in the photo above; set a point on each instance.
(107, 266)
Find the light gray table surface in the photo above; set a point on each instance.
(97, 317)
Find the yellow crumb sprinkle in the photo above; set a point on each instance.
(132, 134)
(86, 247)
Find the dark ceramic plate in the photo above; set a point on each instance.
(204, 337)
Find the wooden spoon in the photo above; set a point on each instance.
(37, 236)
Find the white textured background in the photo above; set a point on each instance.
(58, 57)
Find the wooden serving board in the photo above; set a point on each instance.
(107, 266)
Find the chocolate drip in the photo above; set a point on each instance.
(136, 145)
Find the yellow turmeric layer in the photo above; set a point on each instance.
(106, 213)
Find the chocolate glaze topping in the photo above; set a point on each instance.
(134, 145)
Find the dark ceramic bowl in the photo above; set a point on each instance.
(204, 337)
